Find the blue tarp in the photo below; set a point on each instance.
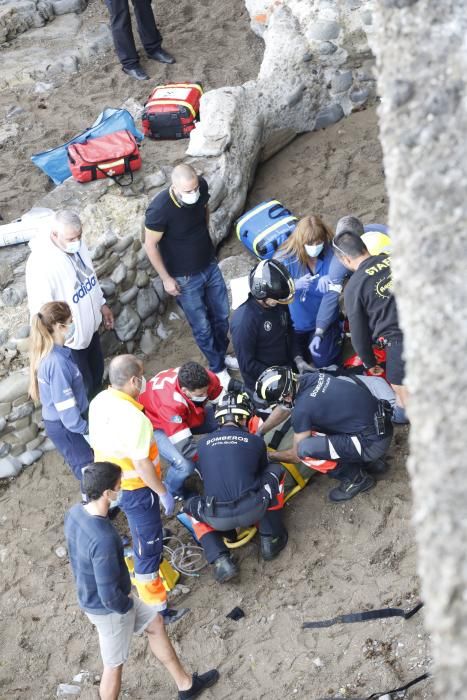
(54, 162)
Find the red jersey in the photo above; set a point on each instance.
(170, 410)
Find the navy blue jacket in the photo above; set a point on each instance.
(61, 390)
(261, 337)
(96, 556)
(231, 461)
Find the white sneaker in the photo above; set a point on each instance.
(224, 378)
(231, 362)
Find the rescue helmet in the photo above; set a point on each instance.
(234, 407)
(275, 383)
(270, 279)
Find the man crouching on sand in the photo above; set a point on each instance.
(104, 588)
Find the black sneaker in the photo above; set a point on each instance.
(377, 467)
(170, 615)
(224, 568)
(349, 489)
(200, 683)
(272, 546)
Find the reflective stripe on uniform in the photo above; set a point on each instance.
(357, 444)
(181, 435)
(63, 405)
(332, 451)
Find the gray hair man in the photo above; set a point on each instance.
(60, 268)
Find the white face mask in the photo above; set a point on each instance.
(190, 197)
(70, 331)
(143, 385)
(314, 250)
(199, 399)
(73, 246)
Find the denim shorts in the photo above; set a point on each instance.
(115, 631)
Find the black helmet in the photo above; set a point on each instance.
(270, 279)
(275, 383)
(234, 406)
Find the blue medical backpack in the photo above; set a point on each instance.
(265, 227)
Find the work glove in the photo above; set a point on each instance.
(302, 283)
(314, 345)
(168, 502)
(323, 284)
(302, 365)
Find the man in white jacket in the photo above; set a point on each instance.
(60, 268)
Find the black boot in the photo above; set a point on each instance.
(224, 569)
(348, 489)
(271, 546)
(377, 467)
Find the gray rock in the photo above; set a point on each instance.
(110, 239)
(26, 434)
(116, 308)
(5, 409)
(65, 690)
(155, 180)
(34, 444)
(108, 287)
(6, 274)
(162, 332)
(323, 30)
(61, 552)
(5, 447)
(62, 7)
(158, 287)
(329, 115)
(359, 95)
(130, 260)
(14, 386)
(144, 263)
(122, 244)
(119, 274)
(150, 321)
(110, 344)
(127, 324)
(20, 400)
(142, 279)
(29, 457)
(9, 466)
(147, 302)
(22, 332)
(47, 445)
(137, 244)
(12, 296)
(130, 346)
(129, 295)
(401, 92)
(98, 252)
(26, 409)
(23, 345)
(20, 423)
(3, 336)
(148, 342)
(106, 267)
(341, 81)
(2, 424)
(129, 280)
(367, 17)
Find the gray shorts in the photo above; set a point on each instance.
(115, 631)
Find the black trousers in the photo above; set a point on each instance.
(90, 363)
(120, 24)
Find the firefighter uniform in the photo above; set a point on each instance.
(241, 488)
(120, 433)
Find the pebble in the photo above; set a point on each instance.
(98, 252)
(329, 115)
(81, 677)
(65, 690)
(22, 332)
(34, 444)
(401, 92)
(341, 81)
(327, 48)
(3, 336)
(359, 95)
(110, 239)
(108, 287)
(61, 553)
(317, 662)
(9, 466)
(158, 287)
(41, 87)
(4, 448)
(29, 457)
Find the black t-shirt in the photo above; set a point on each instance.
(186, 246)
(329, 405)
(231, 461)
(261, 337)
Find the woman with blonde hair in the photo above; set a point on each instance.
(57, 383)
(307, 255)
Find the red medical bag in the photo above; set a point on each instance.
(172, 110)
(107, 156)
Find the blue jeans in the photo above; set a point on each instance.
(205, 304)
(181, 467)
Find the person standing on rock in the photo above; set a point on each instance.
(56, 381)
(60, 268)
(119, 432)
(103, 587)
(179, 246)
(122, 34)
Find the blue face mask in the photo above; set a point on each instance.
(314, 250)
(70, 331)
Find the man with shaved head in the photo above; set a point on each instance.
(60, 269)
(120, 433)
(179, 246)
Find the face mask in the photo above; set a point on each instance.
(70, 331)
(73, 247)
(314, 250)
(116, 501)
(143, 385)
(199, 399)
(189, 197)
